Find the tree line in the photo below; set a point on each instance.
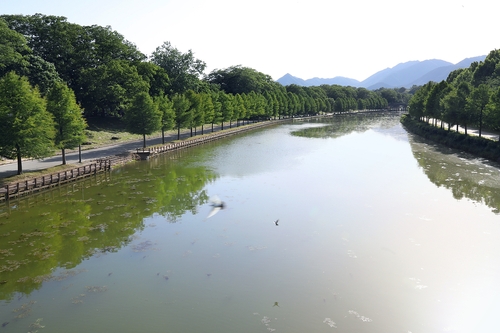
(469, 97)
(56, 75)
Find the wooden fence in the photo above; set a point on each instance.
(13, 190)
(191, 142)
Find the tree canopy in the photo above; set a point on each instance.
(26, 127)
(183, 69)
(68, 118)
(467, 97)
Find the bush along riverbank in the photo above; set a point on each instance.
(477, 146)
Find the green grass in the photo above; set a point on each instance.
(106, 131)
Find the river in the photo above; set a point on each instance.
(377, 231)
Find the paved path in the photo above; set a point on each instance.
(10, 168)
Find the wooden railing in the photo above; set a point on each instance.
(46, 181)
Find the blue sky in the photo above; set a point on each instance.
(313, 38)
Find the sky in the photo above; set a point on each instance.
(313, 38)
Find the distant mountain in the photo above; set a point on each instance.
(405, 74)
(441, 73)
(288, 79)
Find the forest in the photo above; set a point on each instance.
(56, 76)
(469, 97)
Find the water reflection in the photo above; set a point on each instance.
(348, 123)
(463, 175)
(365, 242)
(71, 223)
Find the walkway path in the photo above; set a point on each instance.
(10, 167)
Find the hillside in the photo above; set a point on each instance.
(404, 74)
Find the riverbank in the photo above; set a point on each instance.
(31, 182)
(475, 145)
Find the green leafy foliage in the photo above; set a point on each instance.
(143, 116)
(26, 127)
(183, 69)
(68, 117)
(13, 51)
(241, 80)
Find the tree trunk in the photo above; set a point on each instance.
(480, 122)
(212, 127)
(191, 132)
(144, 141)
(162, 136)
(178, 133)
(201, 129)
(222, 126)
(19, 160)
(63, 154)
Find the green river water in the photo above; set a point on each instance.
(378, 231)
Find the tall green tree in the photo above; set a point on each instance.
(217, 115)
(15, 55)
(183, 69)
(14, 51)
(465, 116)
(143, 116)
(417, 102)
(68, 118)
(227, 107)
(241, 80)
(166, 108)
(476, 103)
(492, 112)
(181, 107)
(110, 88)
(26, 127)
(451, 103)
(433, 105)
(195, 110)
(208, 110)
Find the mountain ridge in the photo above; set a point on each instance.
(406, 74)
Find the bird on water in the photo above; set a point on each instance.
(276, 222)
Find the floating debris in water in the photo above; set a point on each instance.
(34, 327)
(418, 284)
(351, 254)
(77, 299)
(96, 289)
(360, 317)
(266, 321)
(143, 246)
(330, 322)
(24, 310)
(5, 324)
